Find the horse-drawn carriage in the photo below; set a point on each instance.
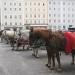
(55, 42)
(14, 39)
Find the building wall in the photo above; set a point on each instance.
(35, 12)
(61, 14)
(12, 13)
(0, 15)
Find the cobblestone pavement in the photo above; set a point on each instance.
(23, 63)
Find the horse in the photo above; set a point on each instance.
(9, 36)
(22, 40)
(49, 37)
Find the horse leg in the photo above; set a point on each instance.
(23, 47)
(36, 53)
(72, 57)
(33, 51)
(49, 59)
(53, 62)
(58, 60)
(17, 46)
(13, 46)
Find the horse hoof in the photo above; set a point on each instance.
(52, 68)
(33, 54)
(72, 63)
(36, 56)
(48, 66)
(59, 69)
(12, 49)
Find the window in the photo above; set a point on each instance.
(68, 20)
(54, 8)
(15, 23)
(72, 9)
(15, 17)
(19, 4)
(63, 3)
(49, 21)
(43, 21)
(58, 9)
(49, 15)
(39, 15)
(72, 15)
(72, 3)
(63, 20)
(39, 21)
(26, 21)
(72, 20)
(58, 15)
(10, 9)
(14, 3)
(30, 9)
(10, 4)
(5, 9)
(15, 9)
(34, 3)
(25, 3)
(68, 9)
(54, 21)
(43, 15)
(10, 23)
(59, 27)
(26, 15)
(59, 21)
(54, 3)
(49, 8)
(5, 23)
(58, 3)
(25, 9)
(20, 23)
(19, 9)
(68, 15)
(34, 9)
(49, 2)
(38, 4)
(30, 21)
(10, 16)
(38, 9)
(35, 21)
(30, 3)
(5, 17)
(4, 3)
(70, 25)
(54, 27)
(30, 15)
(68, 3)
(20, 16)
(63, 15)
(64, 9)
(35, 15)
(54, 15)
(43, 4)
(64, 26)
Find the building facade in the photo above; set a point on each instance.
(0, 15)
(24, 13)
(54, 14)
(61, 14)
(36, 13)
(12, 14)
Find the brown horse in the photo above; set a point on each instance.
(53, 42)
